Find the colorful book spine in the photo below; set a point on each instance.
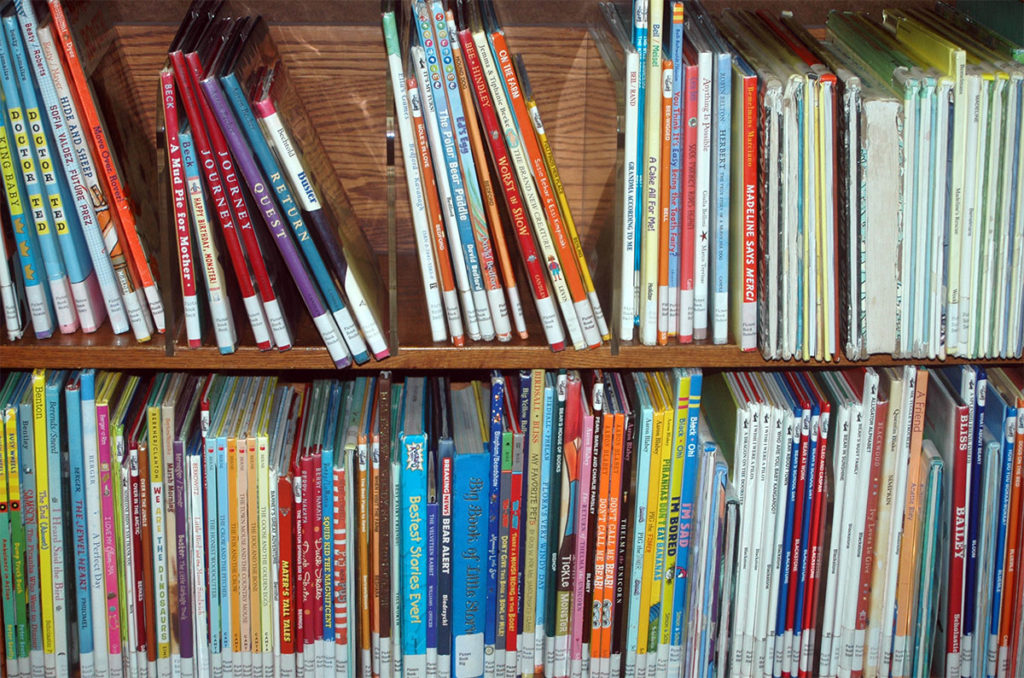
(161, 637)
(79, 529)
(220, 304)
(29, 471)
(36, 293)
(28, 132)
(469, 603)
(640, 517)
(454, 69)
(254, 178)
(43, 520)
(563, 253)
(299, 179)
(414, 533)
(640, 16)
(688, 249)
(722, 137)
(180, 200)
(271, 304)
(101, 234)
(18, 534)
(112, 603)
(484, 77)
(665, 249)
(544, 574)
(675, 162)
(217, 169)
(8, 547)
(128, 232)
(744, 206)
(494, 449)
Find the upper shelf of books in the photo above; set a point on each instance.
(339, 98)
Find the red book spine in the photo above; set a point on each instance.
(818, 510)
(199, 114)
(342, 603)
(316, 518)
(180, 200)
(138, 582)
(512, 614)
(306, 551)
(1013, 545)
(688, 203)
(286, 563)
(958, 532)
(514, 202)
(750, 205)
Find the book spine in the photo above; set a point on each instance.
(215, 164)
(328, 238)
(689, 248)
(433, 32)
(531, 518)
(640, 11)
(720, 234)
(37, 294)
(665, 250)
(513, 604)
(650, 240)
(58, 462)
(957, 541)
(560, 250)
(101, 234)
(128, 232)
(271, 304)
(750, 208)
(471, 498)
(190, 301)
(181, 556)
(79, 531)
(213, 562)
(484, 77)
(19, 540)
(286, 569)
(1012, 577)
(43, 520)
(11, 306)
(28, 135)
(437, 233)
(414, 533)
(384, 509)
(30, 511)
(220, 304)
(112, 603)
(246, 164)
(628, 283)
(544, 571)
(157, 497)
(84, 285)
(445, 558)
(88, 216)
(465, 119)
(228, 615)
(407, 139)
(197, 552)
(675, 164)
(494, 447)
(702, 196)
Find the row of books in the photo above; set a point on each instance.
(858, 194)
(533, 523)
(228, 115)
(456, 86)
(79, 259)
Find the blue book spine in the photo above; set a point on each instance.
(414, 555)
(327, 534)
(222, 542)
(445, 123)
(69, 230)
(433, 520)
(722, 132)
(675, 185)
(470, 498)
(232, 90)
(32, 272)
(76, 469)
(1008, 434)
(687, 494)
(212, 550)
(803, 419)
(975, 506)
(544, 518)
(494, 505)
(13, 70)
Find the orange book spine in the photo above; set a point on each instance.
(566, 255)
(1015, 541)
(125, 217)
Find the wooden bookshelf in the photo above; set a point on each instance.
(334, 54)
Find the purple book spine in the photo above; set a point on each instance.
(181, 552)
(261, 194)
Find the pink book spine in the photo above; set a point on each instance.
(582, 521)
(107, 518)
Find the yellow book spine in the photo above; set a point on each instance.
(157, 504)
(255, 561)
(661, 515)
(266, 602)
(43, 509)
(650, 536)
(651, 183)
(242, 537)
